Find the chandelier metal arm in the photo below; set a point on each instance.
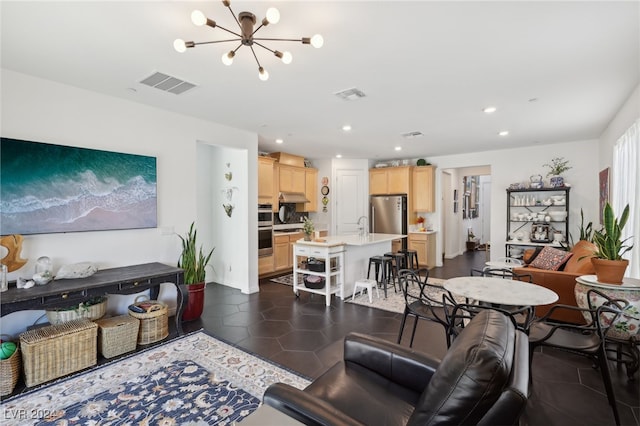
(229, 31)
(263, 46)
(234, 17)
(280, 39)
(216, 41)
(256, 57)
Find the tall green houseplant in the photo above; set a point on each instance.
(193, 259)
(608, 262)
(609, 240)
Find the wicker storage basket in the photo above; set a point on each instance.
(154, 322)
(10, 372)
(92, 313)
(117, 335)
(57, 350)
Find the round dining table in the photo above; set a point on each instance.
(501, 291)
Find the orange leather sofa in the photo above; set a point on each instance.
(563, 282)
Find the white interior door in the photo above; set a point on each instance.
(351, 200)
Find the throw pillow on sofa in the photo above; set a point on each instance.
(550, 259)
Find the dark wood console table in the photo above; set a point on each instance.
(122, 280)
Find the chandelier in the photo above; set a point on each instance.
(246, 22)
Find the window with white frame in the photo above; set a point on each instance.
(626, 190)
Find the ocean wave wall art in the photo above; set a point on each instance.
(47, 188)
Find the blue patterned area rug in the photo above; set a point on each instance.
(195, 379)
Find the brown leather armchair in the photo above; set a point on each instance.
(564, 281)
(483, 379)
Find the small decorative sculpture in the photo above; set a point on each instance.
(12, 260)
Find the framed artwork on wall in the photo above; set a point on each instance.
(50, 188)
(604, 189)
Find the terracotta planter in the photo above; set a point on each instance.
(610, 271)
(195, 304)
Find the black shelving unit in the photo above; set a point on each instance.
(524, 207)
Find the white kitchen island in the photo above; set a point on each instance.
(350, 266)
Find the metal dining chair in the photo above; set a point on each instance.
(461, 313)
(418, 302)
(522, 314)
(586, 340)
(505, 273)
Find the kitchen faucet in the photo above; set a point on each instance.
(363, 228)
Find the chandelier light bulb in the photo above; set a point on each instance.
(287, 57)
(273, 15)
(180, 45)
(227, 58)
(198, 18)
(317, 41)
(263, 74)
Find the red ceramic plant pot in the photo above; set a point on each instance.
(195, 304)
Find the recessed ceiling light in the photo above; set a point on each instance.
(504, 133)
(279, 141)
(346, 128)
(338, 155)
(398, 148)
(489, 110)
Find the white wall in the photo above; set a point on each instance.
(43, 111)
(517, 165)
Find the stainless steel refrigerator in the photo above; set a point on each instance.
(388, 215)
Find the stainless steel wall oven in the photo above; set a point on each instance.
(265, 230)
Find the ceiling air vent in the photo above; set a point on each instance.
(411, 135)
(167, 83)
(350, 94)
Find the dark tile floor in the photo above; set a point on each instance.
(306, 336)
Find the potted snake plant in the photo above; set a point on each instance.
(608, 262)
(193, 261)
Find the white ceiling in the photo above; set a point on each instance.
(425, 66)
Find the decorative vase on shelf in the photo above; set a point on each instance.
(307, 237)
(556, 181)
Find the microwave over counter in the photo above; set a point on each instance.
(265, 230)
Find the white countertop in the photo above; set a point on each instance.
(422, 232)
(353, 240)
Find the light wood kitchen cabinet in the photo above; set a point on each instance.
(281, 258)
(425, 246)
(396, 245)
(265, 264)
(265, 180)
(311, 190)
(291, 179)
(283, 250)
(378, 182)
(390, 180)
(424, 198)
(399, 180)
